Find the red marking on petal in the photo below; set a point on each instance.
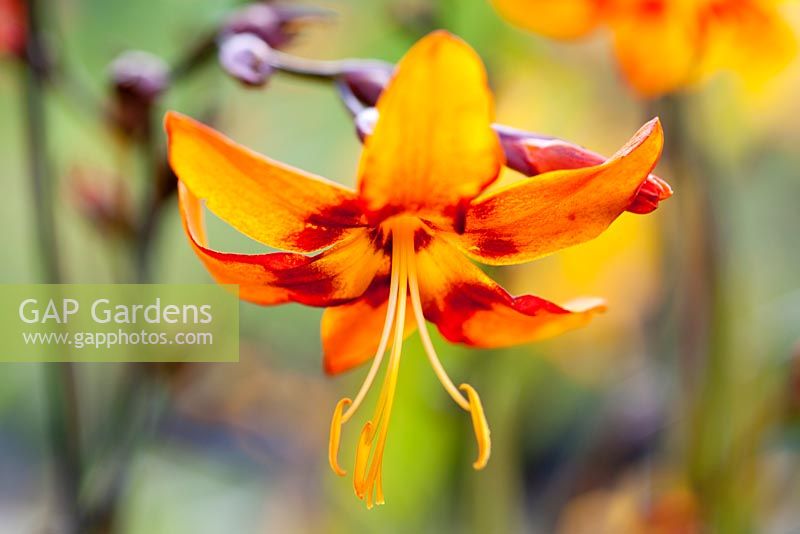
(466, 299)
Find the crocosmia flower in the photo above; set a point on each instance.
(663, 45)
(395, 251)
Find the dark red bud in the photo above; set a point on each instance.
(532, 154)
(139, 75)
(367, 84)
(247, 58)
(650, 193)
(137, 80)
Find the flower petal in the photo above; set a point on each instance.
(561, 19)
(433, 147)
(532, 155)
(657, 44)
(270, 202)
(351, 332)
(469, 307)
(750, 37)
(340, 274)
(558, 209)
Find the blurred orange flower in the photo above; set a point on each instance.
(634, 508)
(663, 45)
(394, 250)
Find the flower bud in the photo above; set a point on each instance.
(367, 84)
(137, 79)
(139, 76)
(12, 27)
(246, 57)
(650, 193)
(532, 154)
(276, 25)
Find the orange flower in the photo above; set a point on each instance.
(663, 45)
(393, 250)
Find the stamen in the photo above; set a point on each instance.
(367, 480)
(384, 408)
(384, 342)
(480, 425)
(416, 304)
(340, 419)
(472, 404)
(336, 433)
(367, 471)
(362, 458)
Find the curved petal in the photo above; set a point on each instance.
(351, 332)
(469, 307)
(657, 44)
(340, 274)
(268, 201)
(558, 209)
(534, 155)
(561, 19)
(433, 147)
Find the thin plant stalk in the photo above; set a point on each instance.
(61, 392)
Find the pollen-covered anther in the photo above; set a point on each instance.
(481, 426)
(335, 437)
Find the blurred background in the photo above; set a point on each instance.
(678, 411)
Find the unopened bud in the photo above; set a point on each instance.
(367, 84)
(247, 58)
(276, 25)
(139, 75)
(532, 154)
(137, 79)
(650, 193)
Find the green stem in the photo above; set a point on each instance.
(63, 416)
(152, 202)
(702, 335)
(40, 173)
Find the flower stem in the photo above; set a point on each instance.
(321, 69)
(60, 384)
(702, 324)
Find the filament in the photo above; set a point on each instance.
(370, 482)
(441, 374)
(384, 342)
(367, 477)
